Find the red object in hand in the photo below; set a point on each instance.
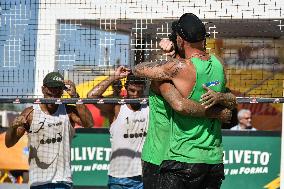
(123, 93)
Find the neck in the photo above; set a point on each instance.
(49, 108)
(134, 107)
(194, 50)
(243, 126)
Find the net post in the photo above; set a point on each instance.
(282, 148)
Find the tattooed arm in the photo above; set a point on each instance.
(159, 70)
(210, 98)
(190, 107)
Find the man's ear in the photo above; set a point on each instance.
(180, 40)
(42, 89)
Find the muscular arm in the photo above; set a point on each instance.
(159, 70)
(98, 90)
(190, 107)
(18, 127)
(228, 100)
(81, 115)
(11, 137)
(180, 104)
(210, 98)
(168, 70)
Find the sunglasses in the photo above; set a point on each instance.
(57, 88)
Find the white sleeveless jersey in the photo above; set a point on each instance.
(49, 144)
(128, 132)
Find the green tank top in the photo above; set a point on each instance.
(198, 140)
(157, 138)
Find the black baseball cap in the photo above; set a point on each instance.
(53, 79)
(190, 28)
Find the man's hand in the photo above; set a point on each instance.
(225, 115)
(219, 112)
(167, 46)
(19, 125)
(210, 98)
(71, 89)
(19, 121)
(99, 89)
(121, 72)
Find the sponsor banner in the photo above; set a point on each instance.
(252, 159)
(90, 155)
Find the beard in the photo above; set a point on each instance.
(135, 106)
(181, 52)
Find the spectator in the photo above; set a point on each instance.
(244, 118)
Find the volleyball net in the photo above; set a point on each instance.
(86, 40)
(86, 47)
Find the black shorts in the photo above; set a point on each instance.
(150, 175)
(178, 175)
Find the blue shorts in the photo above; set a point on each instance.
(125, 183)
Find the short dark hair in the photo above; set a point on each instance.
(133, 80)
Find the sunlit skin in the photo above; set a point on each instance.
(177, 79)
(135, 91)
(52, 92)
(181, 72)
(78, 115)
